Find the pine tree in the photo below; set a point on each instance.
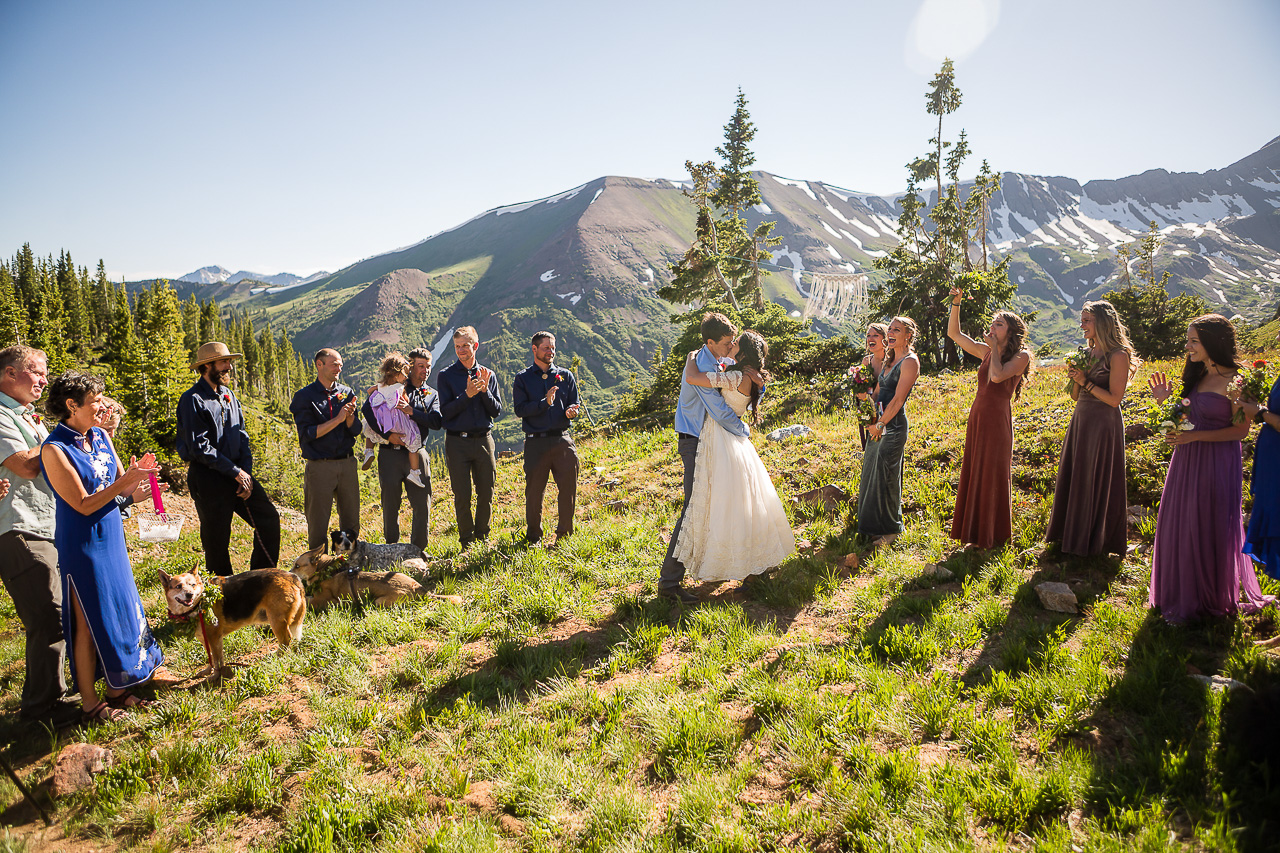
(1155, 320)
(932, 258)
(724, 260)
(75, 319)
(13, 321)
(191, 325)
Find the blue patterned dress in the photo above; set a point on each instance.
(1262, 541)
(95, 569)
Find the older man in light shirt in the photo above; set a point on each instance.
(28, 560)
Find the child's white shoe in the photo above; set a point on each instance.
(415, 477)
(368, 459)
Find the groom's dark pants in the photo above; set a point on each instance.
(672, 569)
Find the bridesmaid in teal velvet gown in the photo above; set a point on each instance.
(880, 483)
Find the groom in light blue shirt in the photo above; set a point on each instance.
(718, 336)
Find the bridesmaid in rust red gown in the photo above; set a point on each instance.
(984, 499)
(1089, 498)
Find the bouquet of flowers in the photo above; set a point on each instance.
(1254, 385)
(1081, 361)
(1171, 417)
(860, 380)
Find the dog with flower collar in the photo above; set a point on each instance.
(262, 597)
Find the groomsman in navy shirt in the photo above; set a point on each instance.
(469, 403)
(545, 397)
(212, 440)
(328, 423)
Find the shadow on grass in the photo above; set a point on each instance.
(1161, 742)
(1027, 629)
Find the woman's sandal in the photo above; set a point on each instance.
(103, 712)
(127, 701)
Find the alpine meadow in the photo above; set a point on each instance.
(909, 694)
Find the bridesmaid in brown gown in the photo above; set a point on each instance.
(1089, 500)
(984, 498)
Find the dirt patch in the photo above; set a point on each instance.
(479, 796)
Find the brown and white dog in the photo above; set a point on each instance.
(260, 597)
(327, 579)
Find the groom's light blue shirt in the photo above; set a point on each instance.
(696, 401)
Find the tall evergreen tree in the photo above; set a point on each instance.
(13, 320)
(724, 260)
(932, 257)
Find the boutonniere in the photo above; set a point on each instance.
(720, 367)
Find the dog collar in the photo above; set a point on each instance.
(186, 615)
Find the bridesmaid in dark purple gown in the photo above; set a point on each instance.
(1197, 568)
(1089, 499)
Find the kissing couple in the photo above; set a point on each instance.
(733, 524)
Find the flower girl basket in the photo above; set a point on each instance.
(159, 526)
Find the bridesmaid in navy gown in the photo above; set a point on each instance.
(1197, 565)
(1262, 540)
(102, 616)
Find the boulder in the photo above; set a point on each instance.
(829, 496)
(1220, 683)
(1057, 597)
(792, 431)
(939, 572)
(77, 764)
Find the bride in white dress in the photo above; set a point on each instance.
(734, 525)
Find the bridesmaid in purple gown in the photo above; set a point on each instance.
(1197, 568)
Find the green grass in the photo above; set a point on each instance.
(564, 707)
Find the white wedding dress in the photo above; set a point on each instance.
(734, 525)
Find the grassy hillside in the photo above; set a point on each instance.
(563, 706)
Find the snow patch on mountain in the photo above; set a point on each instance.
(800, 185)
(523, 206)
(797, 264)
(866, 229)
(548, 275)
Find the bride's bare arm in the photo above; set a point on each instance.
(694, 376)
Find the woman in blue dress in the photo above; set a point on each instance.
(1262, 539)
(102, 616)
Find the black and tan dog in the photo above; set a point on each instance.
(328, 578)
(260, 597)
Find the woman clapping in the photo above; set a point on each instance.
(1089, 500)
(984, 499)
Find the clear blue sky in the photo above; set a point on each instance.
(298, 136)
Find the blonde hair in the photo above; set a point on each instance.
(393, 363)
(467, 333)
(891, 355)
(1109, 332)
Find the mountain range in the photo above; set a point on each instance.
(586, 264)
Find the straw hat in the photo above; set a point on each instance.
(213, 351)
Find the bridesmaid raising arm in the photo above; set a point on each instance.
(984, 498)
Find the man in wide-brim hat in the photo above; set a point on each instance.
(213, 441)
